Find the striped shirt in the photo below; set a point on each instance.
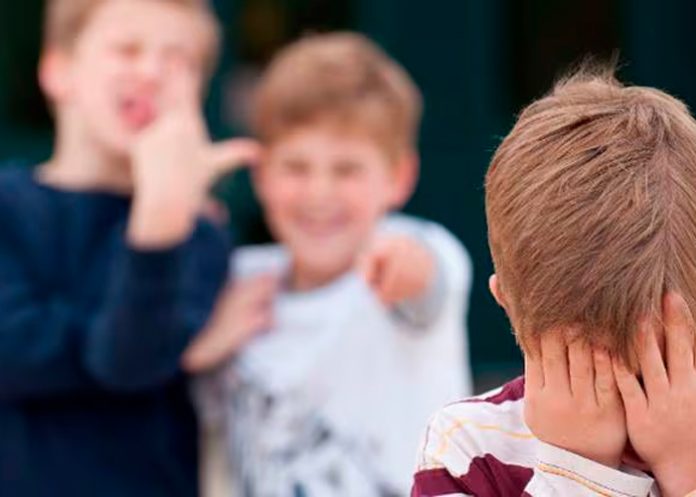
(482, 447)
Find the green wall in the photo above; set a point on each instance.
(477, 63)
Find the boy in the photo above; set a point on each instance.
(359, 306)
(591, 215)
(100, 295)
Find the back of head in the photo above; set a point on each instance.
(591, 207)
(341, 77)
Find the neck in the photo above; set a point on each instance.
(78, 163)
(305, 278)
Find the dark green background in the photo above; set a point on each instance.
(477, 62)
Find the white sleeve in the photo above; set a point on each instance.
(453, 268)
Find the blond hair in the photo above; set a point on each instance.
(64, 20)
(343, 77)
(591, 208)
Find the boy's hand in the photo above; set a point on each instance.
(572, 402)
(661, 414)
(174, 164)
(397, 268)
(243, 310)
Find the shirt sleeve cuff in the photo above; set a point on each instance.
(602, 479)
(155, 265)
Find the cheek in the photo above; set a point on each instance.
(99, 66)
(367, 195)
(279, 196)
(96, 85)
(362, 208)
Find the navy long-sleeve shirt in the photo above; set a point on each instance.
(92, 401)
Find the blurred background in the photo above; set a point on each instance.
(478, 62)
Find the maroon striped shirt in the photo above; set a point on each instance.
(481, 447)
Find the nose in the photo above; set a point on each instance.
(151, 69)
(320, 188)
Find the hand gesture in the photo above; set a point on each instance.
(661, 412)
(174, 164)
(572, 401)
(243, 311)
(397, 268)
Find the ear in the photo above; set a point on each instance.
(494, 287)
(406, 173)
(53, 74)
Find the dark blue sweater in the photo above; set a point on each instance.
(92, 401)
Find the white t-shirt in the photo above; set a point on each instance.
(333, 400)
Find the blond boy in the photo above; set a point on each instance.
(592, 221)
(107, 272)
(362, 311)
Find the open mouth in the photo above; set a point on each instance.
(137, 112)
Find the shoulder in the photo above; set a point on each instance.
(259, 259)
(416, 226)
(17, 185)
(15, 172)
(25, 207)
(488, 427)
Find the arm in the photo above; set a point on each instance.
(49, 347)
(424, 309)
(40, 334)
(157, 301)
(163, 287)
(243, 310)
(451, 280)
(160, 287)
(415, 267)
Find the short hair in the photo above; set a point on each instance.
(591, 209)
(345, 78)
(64, 20)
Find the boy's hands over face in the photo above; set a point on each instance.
(174, 164)
(243, 310)
(572, 401)
(661, 414)
(397, 268)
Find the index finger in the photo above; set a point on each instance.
(390, 279)
(679, 336)
(652, 366)
(226, 156)
(581, 369)
(371, 263)
(554, 355)
(606, 389)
